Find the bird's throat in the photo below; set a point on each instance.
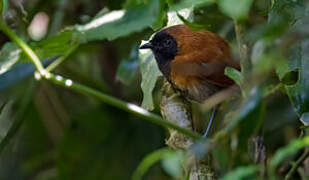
(164, 65)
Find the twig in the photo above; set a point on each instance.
(243, 48)
(132, 108)
(296, 164)
(28, 51)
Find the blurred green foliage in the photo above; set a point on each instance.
(50, 132)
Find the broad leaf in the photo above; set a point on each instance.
(122, 22)
(294, 71)
(150, 73)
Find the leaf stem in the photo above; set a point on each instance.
(28, 51)
(129, 107)
(243, 48)
(59, 60)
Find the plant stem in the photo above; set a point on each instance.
(132, 108)
(243, 48)
(59, 60)
(28, 51)
(296, 164)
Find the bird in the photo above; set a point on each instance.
(192, 61)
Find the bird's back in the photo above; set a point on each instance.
(198, 68)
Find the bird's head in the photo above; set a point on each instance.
(163, 45)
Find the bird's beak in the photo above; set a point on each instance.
(146, 46)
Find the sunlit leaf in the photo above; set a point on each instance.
(150, 73)
(174, 17)
(234, 74)
(9, 56)
(5, 118)
(121, 22)
(236, 9)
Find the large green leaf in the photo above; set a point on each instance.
(137, 16)
(297, 62)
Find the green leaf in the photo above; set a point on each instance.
(55, 45)
(241, 173)
(121, 22)
(150, 73)
(288, 150)
(127, 69)
(149, 161)
(174, 17)
(234, 74)
(9, 56)
(236, 9)
(172, 163)
(299, 93)
(294, 71)
(178, 5)
(191, 24)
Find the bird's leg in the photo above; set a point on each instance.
(210, 121)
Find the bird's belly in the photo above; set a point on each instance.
(192, 87)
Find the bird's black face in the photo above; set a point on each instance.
(163, 45)
(164, 48)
